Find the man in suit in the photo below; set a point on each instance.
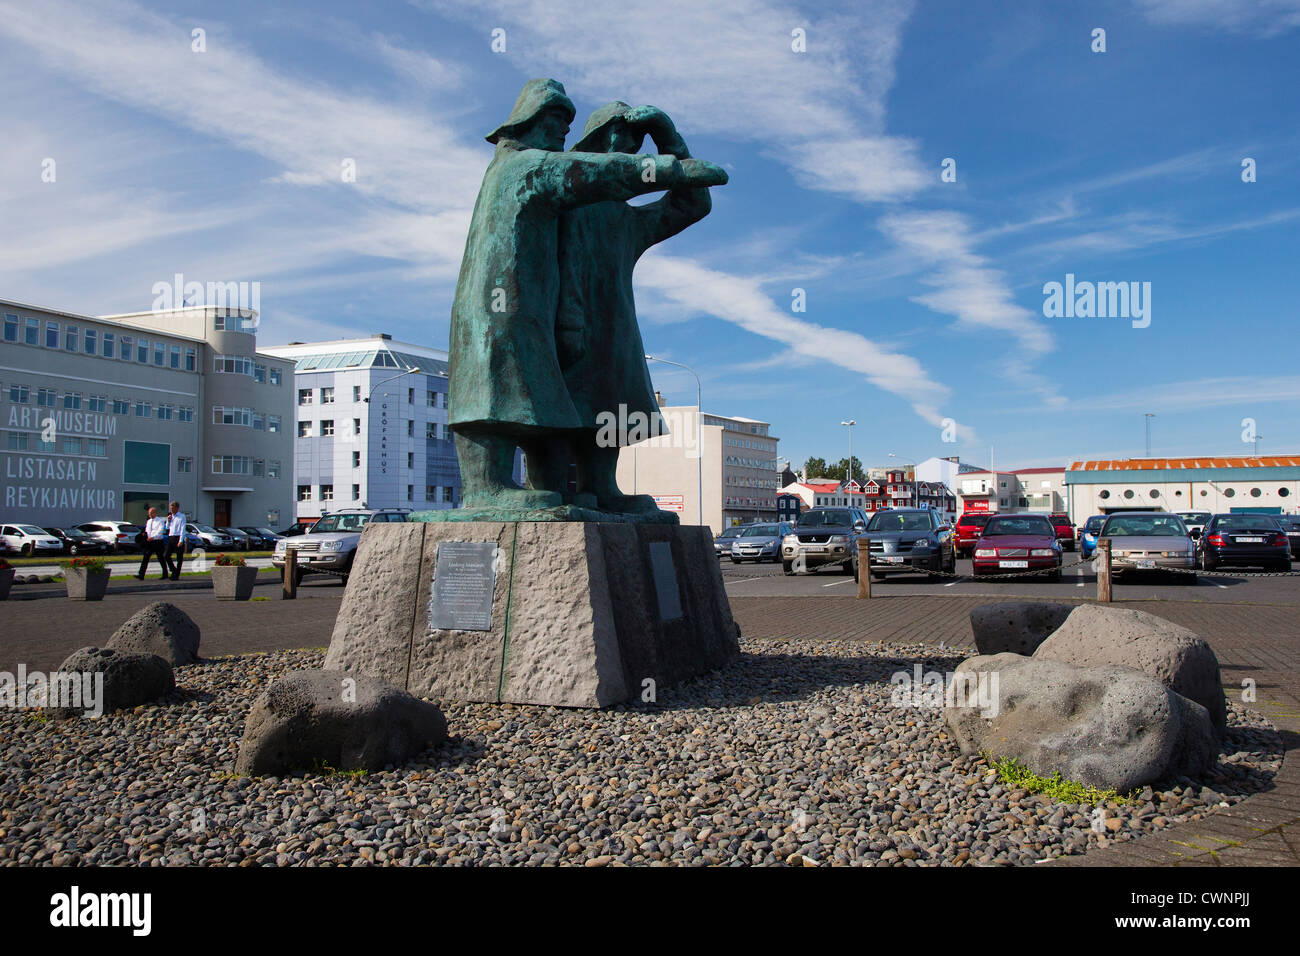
(175, 540)
(155, 545)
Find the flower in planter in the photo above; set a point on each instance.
(227, 561)
(90, 565)
(5, 565)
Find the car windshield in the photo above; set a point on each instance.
(32, 529)
(1144, 526)
(266, 531)
(977, 521)
(760, 531)
(206, 529)
(340, 523)
(1244, 523)
(1094, 524)
(731, 532)
(825, 519)
(884, 521)
(1019, 525)
(1194, 517)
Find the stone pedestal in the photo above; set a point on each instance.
(582, 614)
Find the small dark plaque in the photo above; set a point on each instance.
(464, 578)
(665, 575)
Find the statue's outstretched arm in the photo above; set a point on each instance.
(681, 207)
(577, 179)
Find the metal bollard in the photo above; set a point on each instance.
(1103, 570)
(864, 569)
(290, 574)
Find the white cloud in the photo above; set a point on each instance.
(1261, 17)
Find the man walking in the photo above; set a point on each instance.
(155, 545)
(175, 540)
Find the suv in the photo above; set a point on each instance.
(968, 531)
(116, 534)
(1064, 531)
(824, 536)
(909, 540)
(331, 543)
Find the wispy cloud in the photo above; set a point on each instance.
(1260, 17)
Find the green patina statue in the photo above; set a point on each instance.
(544, 338)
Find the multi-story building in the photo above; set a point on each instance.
(890, 489)
(370, 426)
(734, 458)
(104, 417)
(1036, 490)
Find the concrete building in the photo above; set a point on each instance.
(737, 456)
(368, 432)
(1024, 490)
(104, 417)
(1267, 484)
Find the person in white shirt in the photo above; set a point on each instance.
(155, 545)
(175, 540)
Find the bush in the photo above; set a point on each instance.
(91, 565)
(229, 561)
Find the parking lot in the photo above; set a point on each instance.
(1078, 581)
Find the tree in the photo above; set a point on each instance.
(840, 469)
(816, 468)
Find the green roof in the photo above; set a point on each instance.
(373, 358)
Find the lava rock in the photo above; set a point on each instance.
(312, 720)
(129, 679)
(1016, 626)
(161, 629)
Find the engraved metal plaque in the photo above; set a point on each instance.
(665, 575)
(464, 579)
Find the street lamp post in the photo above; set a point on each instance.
(699, 431)
(849, 471)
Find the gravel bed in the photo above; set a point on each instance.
(791, 756)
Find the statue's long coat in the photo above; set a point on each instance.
(505, 373)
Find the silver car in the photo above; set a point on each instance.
(759, 542)
(331, 543)
(1150, 541)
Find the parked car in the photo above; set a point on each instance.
(1290, 525)
(1022, 542)
(824, 536)
(909, 540)
(77, 543)
(263, 539)
(1195, 521)
(212, 539)
(968, 531)
(1244, 540)
(1064, 530)
(239, 537)
(119, 535)
(1149, 541)
(293, 530)
(722, 543)
(29, 540)
(759, 542)
(331, 543)
(193, 541)
(1089, 533)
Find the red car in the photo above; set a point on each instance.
(1065, 532)
(1011, 543)
(968, 531)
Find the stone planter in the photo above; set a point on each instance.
(233, 584)
(6, 579)
(85, 585)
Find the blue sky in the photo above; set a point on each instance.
(924, 298)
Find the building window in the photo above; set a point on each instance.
(326, 492)
(143, 409)
(165, 412)
(273, 469)
(410, 459)
(304, 396)
(410, 396)
(356, 459)
(184, 466)
(110, 345)
(72, 446)
(447, 494)
(356, 492)
(410, 429)
(259, 467)
(46, 397)
(304, 492)
(432, 400)
(31, 331)
(142, 351)
(259, 374)
(233, 364)
(90, 344)
(128, 344)
(97, 447)
(356, 426)
(356, 393)
(191, 360)
(185, 414)
(72, 400)
(1106, 494)
(121, 406)
(410, 492)
(304, 429)
(11, 327)
(1255, 492)
(146, 463)
(430, 492)
(51, 335)
(17, 441)
(431, 430)
(275, 376)
(259, 422)
(176, 356)
(1230, 492)
(160, 353)
(19, 394)
(273, 423)
(231, 416)
(229, 465)
(327, 427)
(98, 403)
(327, 396)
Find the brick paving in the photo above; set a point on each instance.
(1259, 642)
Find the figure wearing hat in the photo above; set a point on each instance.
(600, 343)
(507, 387)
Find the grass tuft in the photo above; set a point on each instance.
(1013, 773)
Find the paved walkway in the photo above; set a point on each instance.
(1258, 642)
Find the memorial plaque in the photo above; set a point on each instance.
(464, 579)
(665, 575)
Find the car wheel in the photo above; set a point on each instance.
(1284, 565)
(27, 550)
(1055, 576)
(735, 560)
(847, 567)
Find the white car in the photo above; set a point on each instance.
(29, 540)
(118, 535)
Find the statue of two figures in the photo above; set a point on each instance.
(544, 340)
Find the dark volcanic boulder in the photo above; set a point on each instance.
(1173, 655)
(129, 679)
(1016, 626)
(310, 720)
(1108, 727)
(161, 629)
